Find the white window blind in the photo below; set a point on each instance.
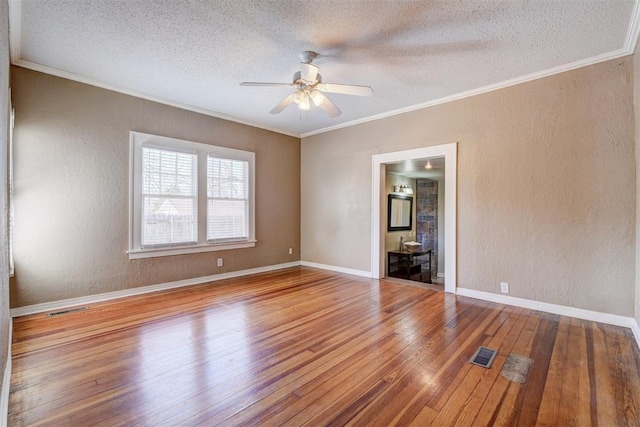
(169, 197)
(227, 199)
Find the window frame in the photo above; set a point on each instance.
(137, 141)
(10, 187)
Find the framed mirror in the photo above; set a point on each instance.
(400, 213)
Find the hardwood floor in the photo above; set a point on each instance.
(309, 347)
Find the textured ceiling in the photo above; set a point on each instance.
(194, 54)
(431, 168)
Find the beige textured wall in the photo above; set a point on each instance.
(5, 320)
(546, 187)
(71, 195)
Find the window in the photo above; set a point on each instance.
(188, 197)
(227, 194)
(169, 197)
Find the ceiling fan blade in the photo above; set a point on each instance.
(266, 84)
(283, 104)
(330, 108)
(308, 72)
(345, 89)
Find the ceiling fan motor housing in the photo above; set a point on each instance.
(307, 56)
(297, 79)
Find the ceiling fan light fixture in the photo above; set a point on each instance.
(304, 103)
(298, 96)
(317, 97)
(309, 88)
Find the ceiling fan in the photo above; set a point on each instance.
(310, 88)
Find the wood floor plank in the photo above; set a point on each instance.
(584, 413)
(531, 393)
(550, 405)
(303, 346)
(622, 367)
(604, 377)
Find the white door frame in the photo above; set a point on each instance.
(450, 154)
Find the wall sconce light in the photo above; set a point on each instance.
(401, 188)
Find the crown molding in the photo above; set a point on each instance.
(633, 30)
(15, 30)
(103, 85)
(629, 48)
(15, 22)
(484, 89)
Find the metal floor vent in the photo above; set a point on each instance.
(71, 310)
(484, 357)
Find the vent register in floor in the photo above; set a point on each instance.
(515, 368)
(484, 357)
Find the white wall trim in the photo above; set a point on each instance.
(595, 316)
(378, 228)
(635, 328)
(457, 96)
(6, 382)
(634, 29)
(15, 29)
(192, 249)
(337, 269)
(484, 89)
(90, 299)
(103, 85)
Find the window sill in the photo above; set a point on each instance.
(192, 249)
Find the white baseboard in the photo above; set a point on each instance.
(90, 299)
(595, 316)
(6, 383)
(440, 275)
(361, 273)
(635, 328)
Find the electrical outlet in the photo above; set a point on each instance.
(504, 287)
(220, 262)
(290, 251)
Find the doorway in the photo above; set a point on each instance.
(380, 163)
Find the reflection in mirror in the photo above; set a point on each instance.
(400, 213)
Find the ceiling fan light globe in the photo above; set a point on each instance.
(317, 97)
(304, 103)
(298, 96)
